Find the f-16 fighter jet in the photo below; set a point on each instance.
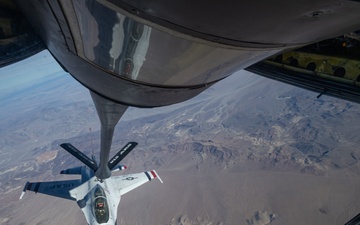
(98, 199)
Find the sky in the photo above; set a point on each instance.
(29, 70)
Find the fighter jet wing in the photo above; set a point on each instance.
(126, 183)
(55, 188)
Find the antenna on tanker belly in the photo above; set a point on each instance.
(91, 141)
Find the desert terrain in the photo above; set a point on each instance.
(247, 151)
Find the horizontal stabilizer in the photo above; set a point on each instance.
(121, 154)
(119, 167)
(75, 170)
(79, 155)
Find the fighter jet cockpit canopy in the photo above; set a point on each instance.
(100, 208)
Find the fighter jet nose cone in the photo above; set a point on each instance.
(103, 172)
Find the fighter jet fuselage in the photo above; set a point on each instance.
(98, 199)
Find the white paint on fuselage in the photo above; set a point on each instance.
(86, 191)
